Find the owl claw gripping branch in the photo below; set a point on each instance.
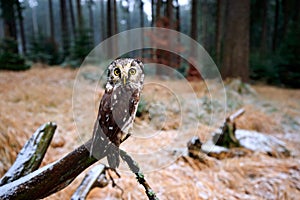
(117, 109)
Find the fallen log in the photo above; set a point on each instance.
(31, 156)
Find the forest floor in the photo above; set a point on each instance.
(41, 94)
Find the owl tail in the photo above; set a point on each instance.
(113, 156)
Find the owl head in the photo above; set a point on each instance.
(125, 72)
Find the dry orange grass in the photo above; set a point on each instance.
(33, 97)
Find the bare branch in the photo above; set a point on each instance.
(51, 178)
(96, 177)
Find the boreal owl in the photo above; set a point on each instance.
(118, 106)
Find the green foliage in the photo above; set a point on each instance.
(9, 58)
(263, 68)
(44, 50)
(282, 67)
(81, 47)
(142, 108)
(288, 58)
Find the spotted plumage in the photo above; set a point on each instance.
(117, 108)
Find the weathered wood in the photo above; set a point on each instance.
(31, 155)
(51, 178)
(225, 136)
(96, 177)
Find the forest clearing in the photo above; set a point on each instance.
(36, 96)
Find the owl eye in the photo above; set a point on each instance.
(117, 71)
(132, 71)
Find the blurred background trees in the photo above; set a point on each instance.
(250, 39)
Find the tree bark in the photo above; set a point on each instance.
(142, 25)
(169, 14)
(158, 5)
(8, 15)
(64, 27)
(194, 23)
(275, 29)
(236, 43)
(264, 27)
(31, 155)
(152, 13)
(102, 21)
(204, 14)
(51, 178)
(79, 14)
(52, 33)
(109, 18)
(94, 178)
(286, 5)
(177, 16)
(21, 25)
(72, 17)
(91, 19)
(219, 29)
(115, 30)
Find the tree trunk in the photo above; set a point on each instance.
(264, 27)
(204, 21)
(142, 25)
(128, 18)
(158, 5)
(52, 33)
(108, 18)
(79, 14)
(286, 16)
(21, 24)
(64, 27)
(102, 21)
(194, 23)
(115, 30)
(10, 29)
(169, 14)
(178, 58)
(152, 13)
(177, 16)
(91, 19)
(236, 43)
(72, 17)
(275, 29)
(219, 29)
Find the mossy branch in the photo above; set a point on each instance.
(30, 157)
(133, 166)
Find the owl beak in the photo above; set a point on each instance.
(124, 80)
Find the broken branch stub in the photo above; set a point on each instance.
(31, 155)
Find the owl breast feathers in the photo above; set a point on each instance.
(117, 109)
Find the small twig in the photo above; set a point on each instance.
(133, 166)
